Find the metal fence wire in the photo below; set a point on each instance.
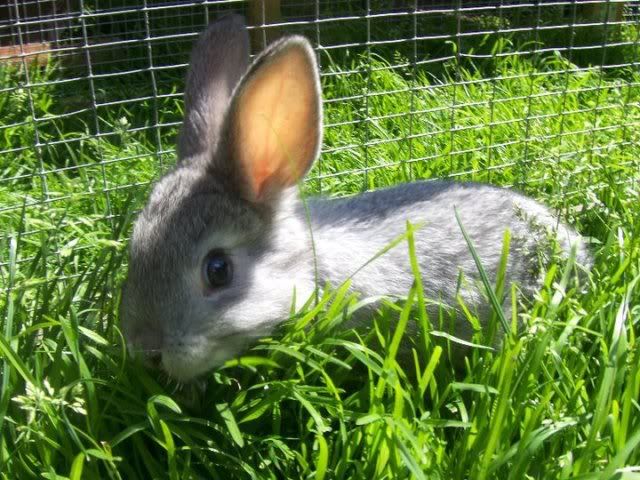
(502, 91)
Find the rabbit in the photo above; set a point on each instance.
(225, 242)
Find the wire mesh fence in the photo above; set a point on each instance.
(511, 92)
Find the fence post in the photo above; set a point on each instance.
(261, 14)
(596, 12)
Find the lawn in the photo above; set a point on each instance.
(558, 399)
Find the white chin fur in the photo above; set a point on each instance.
(187, 362)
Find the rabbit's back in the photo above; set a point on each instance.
(350, 232)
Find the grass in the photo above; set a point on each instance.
(558, 400)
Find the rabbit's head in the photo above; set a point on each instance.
(222, 244)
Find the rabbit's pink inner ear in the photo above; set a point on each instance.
(276, 130)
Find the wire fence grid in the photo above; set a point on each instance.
(90, 98)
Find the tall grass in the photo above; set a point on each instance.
(557, 400)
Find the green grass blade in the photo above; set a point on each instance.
(497, 308)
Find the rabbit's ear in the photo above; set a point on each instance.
(219, 59)
(275, 120)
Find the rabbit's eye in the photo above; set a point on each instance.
(218, 270)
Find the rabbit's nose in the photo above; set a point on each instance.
(153, 360)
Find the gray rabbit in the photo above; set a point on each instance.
(225, 241)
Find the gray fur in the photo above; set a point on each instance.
(200, 206)
(213, 75)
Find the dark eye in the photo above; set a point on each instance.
(218, 270)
